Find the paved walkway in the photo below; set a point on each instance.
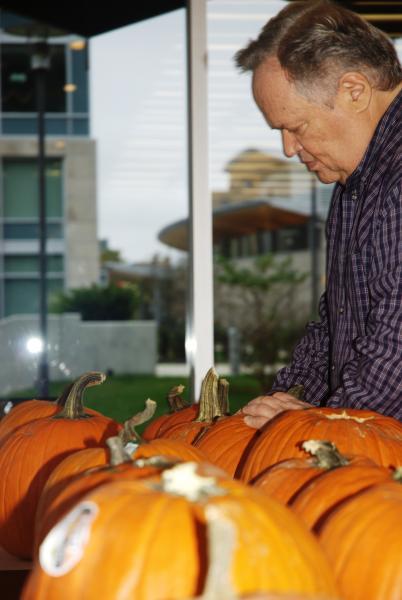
(181, 369)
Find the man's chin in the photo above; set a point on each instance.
(327, 176)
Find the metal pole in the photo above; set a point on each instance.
(40, 64)
(199, 329)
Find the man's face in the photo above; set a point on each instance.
(322, 137)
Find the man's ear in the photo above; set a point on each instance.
(355, 91)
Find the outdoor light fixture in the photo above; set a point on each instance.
(77, 45)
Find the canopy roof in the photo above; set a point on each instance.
(233, 220)
(87, 19)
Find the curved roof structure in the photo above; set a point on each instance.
(236, 219)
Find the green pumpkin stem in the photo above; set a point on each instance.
(223, 395)
(61, 400)
(175, 400)
(397, 475)
(129, 432)
(209, 397)
(73, 406)
(297, 391)
(326, 454)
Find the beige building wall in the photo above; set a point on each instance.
(81, 251)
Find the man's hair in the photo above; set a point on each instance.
(316, 42)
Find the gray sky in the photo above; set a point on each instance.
(137, 87)
(138, 117)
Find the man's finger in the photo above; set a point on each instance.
(255, 422)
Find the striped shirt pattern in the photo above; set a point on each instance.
(352, 356)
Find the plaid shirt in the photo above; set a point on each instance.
(352, 357)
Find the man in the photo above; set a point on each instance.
(332, 85)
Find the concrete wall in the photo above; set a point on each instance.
(75, 346)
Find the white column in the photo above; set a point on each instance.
(199, 330)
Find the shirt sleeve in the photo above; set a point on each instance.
(309, 365)
(374, 379)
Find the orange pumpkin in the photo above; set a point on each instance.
(30, 410)
(355, 432)
(169, 448)
(55, 500)
(363, 540)
(287, 477)
(319, 497)
(225, 442)
(29, 454)
(134, 524)
(179, 412)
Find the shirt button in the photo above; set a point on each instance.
(332, 367)
(341, 310)
(354, 195)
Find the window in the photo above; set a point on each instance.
(17, 83)
(21, 189)
(22, 295)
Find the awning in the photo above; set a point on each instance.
(86, 18)
(234, 220)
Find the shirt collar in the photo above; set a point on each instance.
(388, 127)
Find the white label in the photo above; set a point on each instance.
(64, 545)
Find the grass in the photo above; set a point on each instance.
(121, 396)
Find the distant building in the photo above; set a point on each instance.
(271, 205)
(72, 247)
(267, 208)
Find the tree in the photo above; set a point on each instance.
(98, 303)
(261, 299)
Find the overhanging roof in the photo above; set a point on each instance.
(88, 18)
(234, 220)
(384, 14)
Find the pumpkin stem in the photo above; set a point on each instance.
(397, 475)
(326, 454)
(61, 400)
(223, 395)
(297, 391)
(129, 433)
(73, 407)
(175, 400)
(118, 454)
(209, 397)
(183, 480)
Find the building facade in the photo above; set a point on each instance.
(70, 170)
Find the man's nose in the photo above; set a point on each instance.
(290, 144)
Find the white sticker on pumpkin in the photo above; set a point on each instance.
(64, 545)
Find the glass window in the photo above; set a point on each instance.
(21, 192)
(27, 263)
(17, 82)
(79, 61)
(292, 238)
(22, 295)
(30, 231)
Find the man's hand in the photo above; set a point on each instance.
(263, 408)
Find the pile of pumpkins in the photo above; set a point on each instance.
(201, 505)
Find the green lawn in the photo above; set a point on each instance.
(121, 396)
